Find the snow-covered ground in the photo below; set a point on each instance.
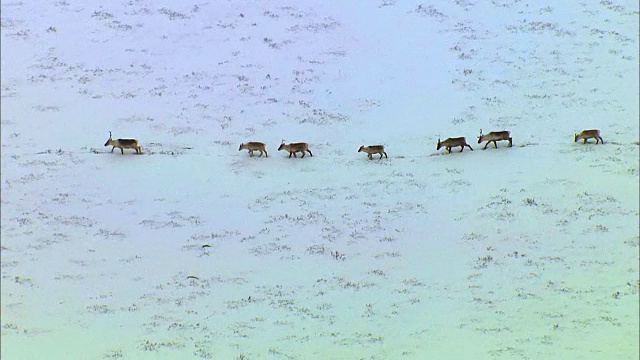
(195, 250)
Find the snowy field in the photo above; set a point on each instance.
(195, 250)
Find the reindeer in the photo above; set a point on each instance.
(588, 134)
(373, 149)
(123, 144)
(293, 148)
(495, 136)
(254, 146)
(453, 142)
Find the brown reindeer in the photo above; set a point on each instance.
(123, 144)
(495, 136)
(254, 146)
(588, 134)
(373, 149)
(453, 142)
(293, 148)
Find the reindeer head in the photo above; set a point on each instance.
(108, 141)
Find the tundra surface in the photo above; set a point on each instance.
(198, 251)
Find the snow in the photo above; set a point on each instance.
(197, 250)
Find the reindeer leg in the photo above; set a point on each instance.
(310, 154)
(122, 150)
(291, 153)
(112, 148)
(385, 155)
(485, 146)
(470, 147)
(585, 141)
(461, 148)
(510, 142)
(495, 143)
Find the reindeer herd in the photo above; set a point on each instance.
(301, 147)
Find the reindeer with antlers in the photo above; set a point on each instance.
(123, 144)
(495, 136)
